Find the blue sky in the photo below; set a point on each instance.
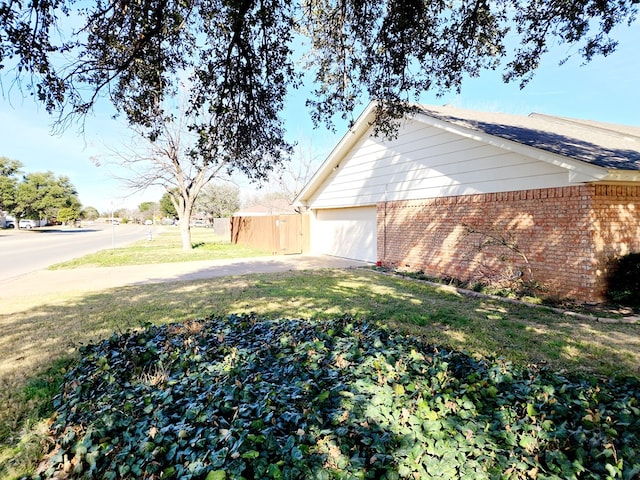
(606, 90)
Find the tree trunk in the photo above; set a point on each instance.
(184, 206)
(185, 234)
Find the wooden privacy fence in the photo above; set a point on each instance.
(278, 234)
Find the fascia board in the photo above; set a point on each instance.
(578, 171)
(353, 135)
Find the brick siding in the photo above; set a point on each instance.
(561, 238)
(616, 227)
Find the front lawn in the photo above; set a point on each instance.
(166, 247)
(39, 340)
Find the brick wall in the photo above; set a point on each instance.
(616, 220)
(561, 238)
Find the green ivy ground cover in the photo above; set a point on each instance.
(246, 397)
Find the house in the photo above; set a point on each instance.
(483, 197)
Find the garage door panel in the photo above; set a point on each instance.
(347, 232)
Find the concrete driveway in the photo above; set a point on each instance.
(45, 282)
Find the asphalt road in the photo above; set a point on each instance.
(24, 251)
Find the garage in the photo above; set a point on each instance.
(346, 232)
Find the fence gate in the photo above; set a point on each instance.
(289, 229)
(278, 234)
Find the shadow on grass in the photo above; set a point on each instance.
(30, 339)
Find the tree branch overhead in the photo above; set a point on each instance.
(239, 59)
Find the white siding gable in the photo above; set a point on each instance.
(426, 161)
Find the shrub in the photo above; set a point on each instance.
(623, 286)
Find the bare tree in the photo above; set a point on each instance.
(285, 182)
(171, 160)
(219, 200)
(292, 176)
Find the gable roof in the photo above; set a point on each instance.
(589, 150)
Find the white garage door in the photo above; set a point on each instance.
(346, 232)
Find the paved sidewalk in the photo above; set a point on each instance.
(90, 279)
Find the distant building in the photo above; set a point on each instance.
(277, 206)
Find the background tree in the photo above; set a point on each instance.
(176, 159)
(219, 200)
(41, 195)
(148, 210)
(269, 200)
(119, 213)
(9, 171)
(89, 213)
(239, 58)
(123, 214)
(166, 206)
(68, 214)
(290, 178)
